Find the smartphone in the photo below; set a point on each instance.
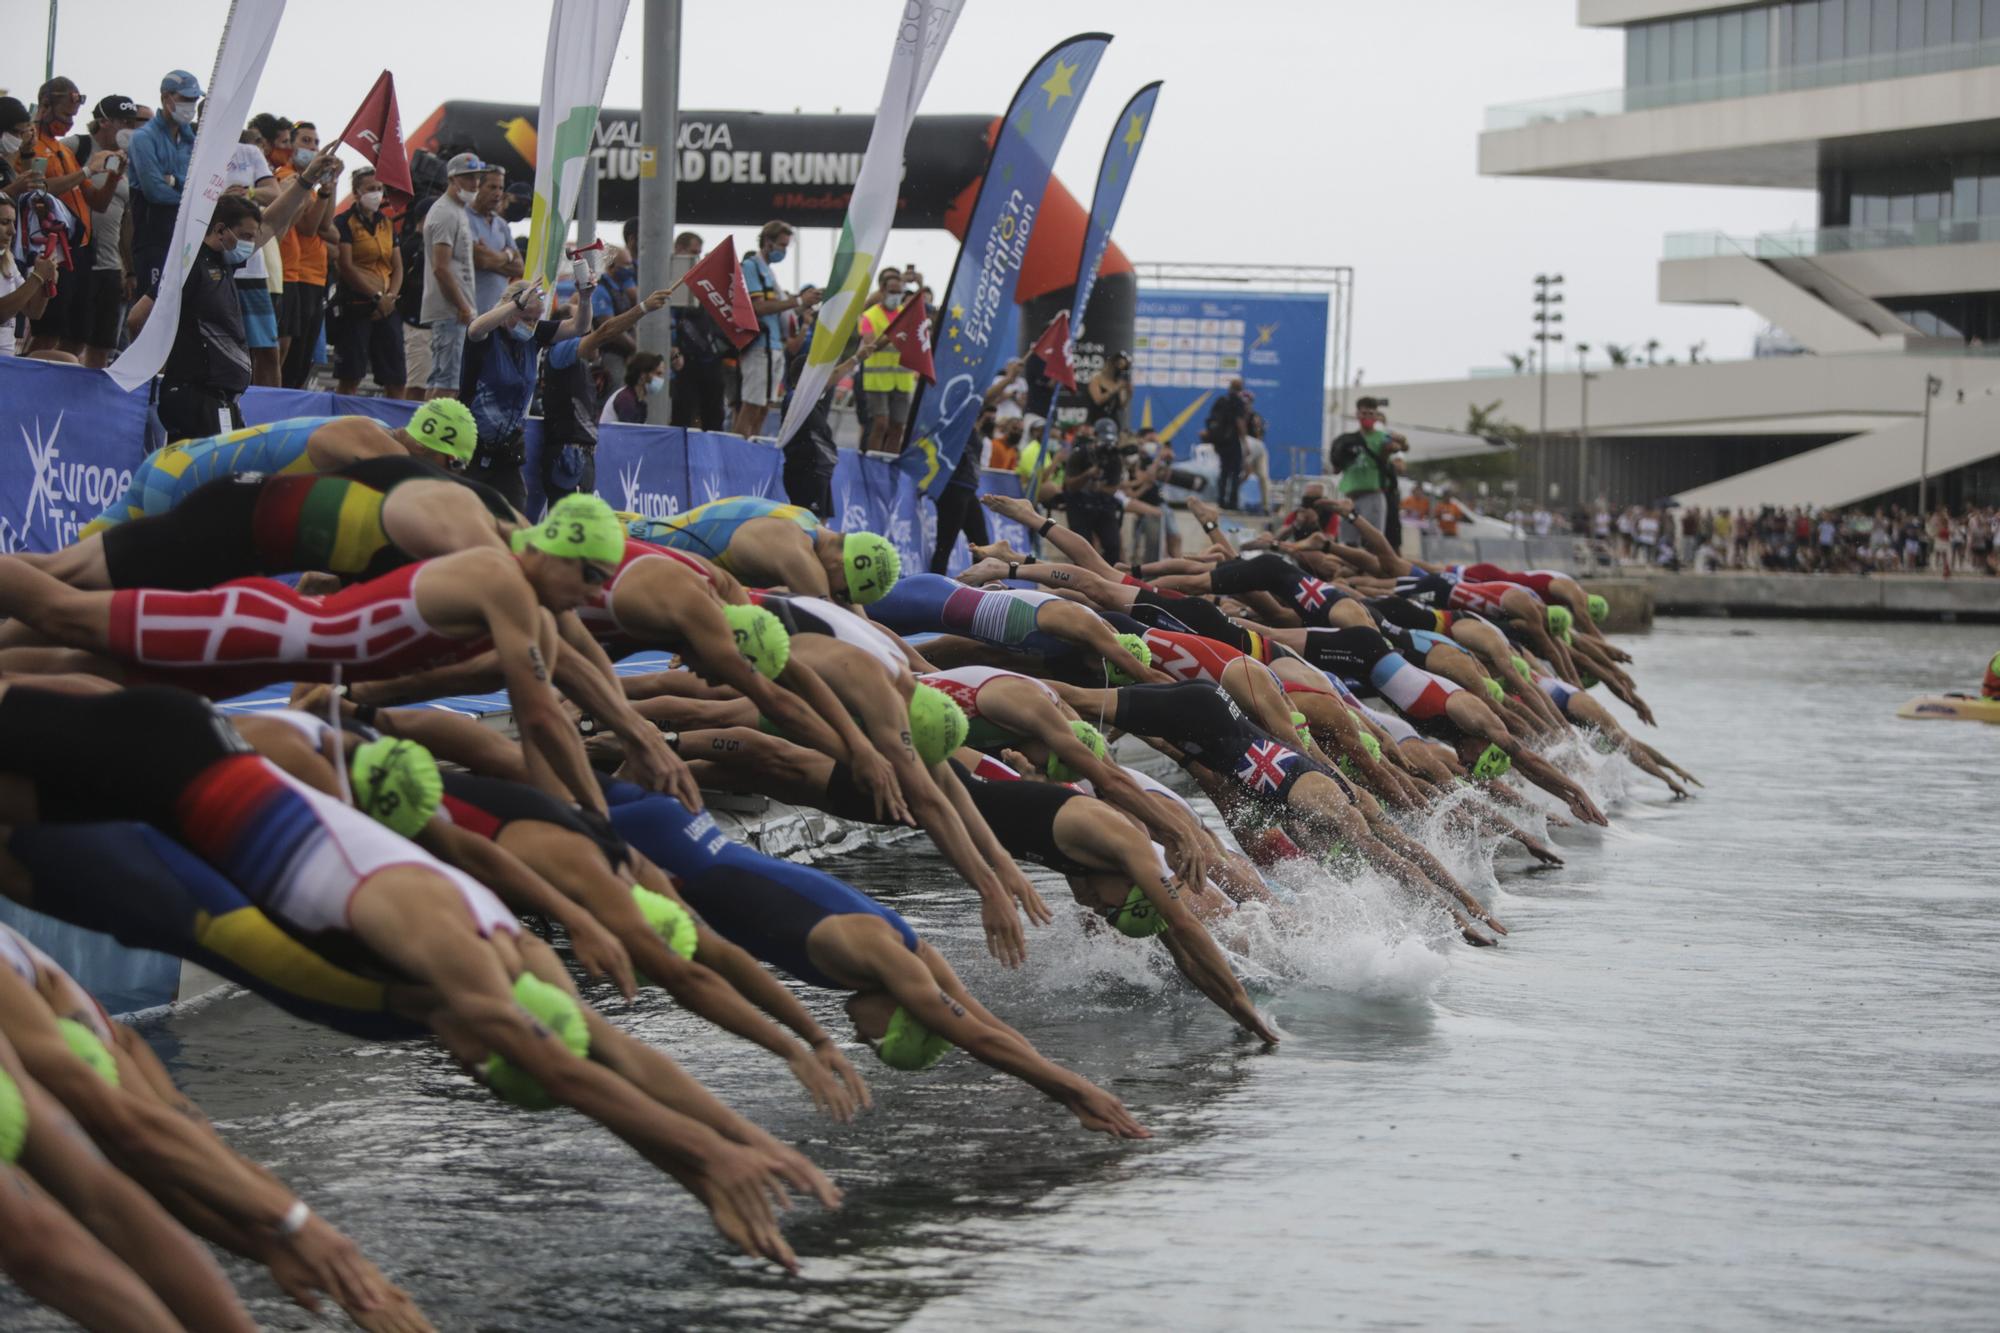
(39, 169)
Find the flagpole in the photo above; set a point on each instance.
(659, 131)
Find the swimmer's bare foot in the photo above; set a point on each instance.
(985, 571)
(1014, 507)
(1000, 550)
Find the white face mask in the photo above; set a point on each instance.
(656, 383)
(124, 140)
(183, 113)
(10, 145)
(370, 200)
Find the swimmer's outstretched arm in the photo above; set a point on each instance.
(1070, 542)
(585, 674)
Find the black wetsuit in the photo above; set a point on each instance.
(1198, 720)
(127, 755)
(1022, 816)
(1309, 597)
(485, 806)
(1351, 652)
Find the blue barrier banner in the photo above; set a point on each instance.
(260, 405)
(69, 439)
(643, 469)
(871, 494)
(1186, 346)
(721, 467)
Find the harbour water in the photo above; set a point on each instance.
(1738, 1066)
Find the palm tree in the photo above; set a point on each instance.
(1516, 360)
(1695, 351)
(1620, 356)
(1652, 351)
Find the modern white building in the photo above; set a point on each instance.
(1890, 110)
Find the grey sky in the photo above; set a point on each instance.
(1289, 131)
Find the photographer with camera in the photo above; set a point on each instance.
(1155, 469)
(1094, 489)
(1361, 457)
(1109, 391)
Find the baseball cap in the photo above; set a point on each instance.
(116, 107)
(181, 84)
(466, 164)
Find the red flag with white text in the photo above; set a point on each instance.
(377, 133)
(910, 331)
(1053, 349)
(718, 286)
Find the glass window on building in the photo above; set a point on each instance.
(1805, 32)
(1860, 15)
(1635, 55)
(1910, 25)
(1682, 66)
(1659, 54)
(1757, 39)
(1882, 41)
(1832, 30)
(1937, 25)
(1989, 196)
(1707, 46)
(1965, 23)
(1731, 55)
(1989, 21)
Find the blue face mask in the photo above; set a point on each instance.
(522, 331)
(242, 252)
(302, 158)
(778, 255)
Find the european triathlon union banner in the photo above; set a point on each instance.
(69, 439)
(1114, 174)
(968, 345)
(1187, 346)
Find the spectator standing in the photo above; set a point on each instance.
(617, 291)
(888, 385)
(100, 312)
(1156, 463)
(1108, 393)
(1003, 451)
(958, 507)
(496, 260)
(363, 327)
(1224, 433)
(645, 375)
(160, 153)
(250, 174)
(569, 398)
(811, 453)
(448, 274)
(1011, 402)
(1361, 457)
(503, 349)
(1257, 463)
(20, 293)
(762, 362)
(59, 327)
(17, 140)
(209, 366)
(700, 398)
(303, 317)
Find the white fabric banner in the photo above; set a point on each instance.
(583, 37)
(232, 94)
(921, 32)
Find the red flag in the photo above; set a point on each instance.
(717, 283)
(910, 331)
(1053, 349)
(377, 133)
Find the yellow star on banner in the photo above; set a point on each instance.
(958, 312)
(1134, 133)
(951, 332)
(1057, 84)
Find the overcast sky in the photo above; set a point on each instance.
(1289, 131)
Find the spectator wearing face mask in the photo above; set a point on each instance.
(884, 380)
(617, 291)
(17, 136)
(250, 173)
(55, 168)
(569, 398)
(160, 152)
(366, 335)
(1361, 457)
(304, 248)
(762, 362)
(209, 366)
(448, 274)
(701, 396)
(100, 311)
(645, 375)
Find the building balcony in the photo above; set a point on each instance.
(1814, 242)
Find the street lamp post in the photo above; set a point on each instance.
(1583, 444)
(1932, 384)
(1545, 333)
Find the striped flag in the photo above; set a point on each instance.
(583, 36)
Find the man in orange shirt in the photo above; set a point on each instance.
(304, 250)
(59, 327)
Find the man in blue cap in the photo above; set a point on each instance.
(160, 152)
(448, 277)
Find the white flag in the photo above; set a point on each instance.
(232, 92)
(583, 37)
(921, 32)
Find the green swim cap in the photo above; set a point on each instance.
(445, 425)
(1372, 745)
(761, 637)
(1305, 732)
(872, 566)
(553, 1008)
(1599, 607)
(1057, 770)
(1134, 645)
(1137, 917)
(1521, 667)
(938, 726)
(1560, 623)
(577, 527)
(908, 1045)
(1493, 689)
(1493, 762)
(396, 784)
(89, 1048)
(1589, 681)
(668, 919)
(13, 1118)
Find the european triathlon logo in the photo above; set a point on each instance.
(646, 504)
(62, 497)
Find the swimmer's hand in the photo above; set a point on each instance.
(398, 1315)
(1005, 939)
(651, 763)
(829, 1094)
(1097, 1109)
(336, 1265)
(601, 953)
(835, 1060)
(876, 778)
(738, 1185)
(1023, 892)
(1586, 809)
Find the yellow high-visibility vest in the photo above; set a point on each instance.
(883, 372)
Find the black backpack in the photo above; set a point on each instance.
(410, 245)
